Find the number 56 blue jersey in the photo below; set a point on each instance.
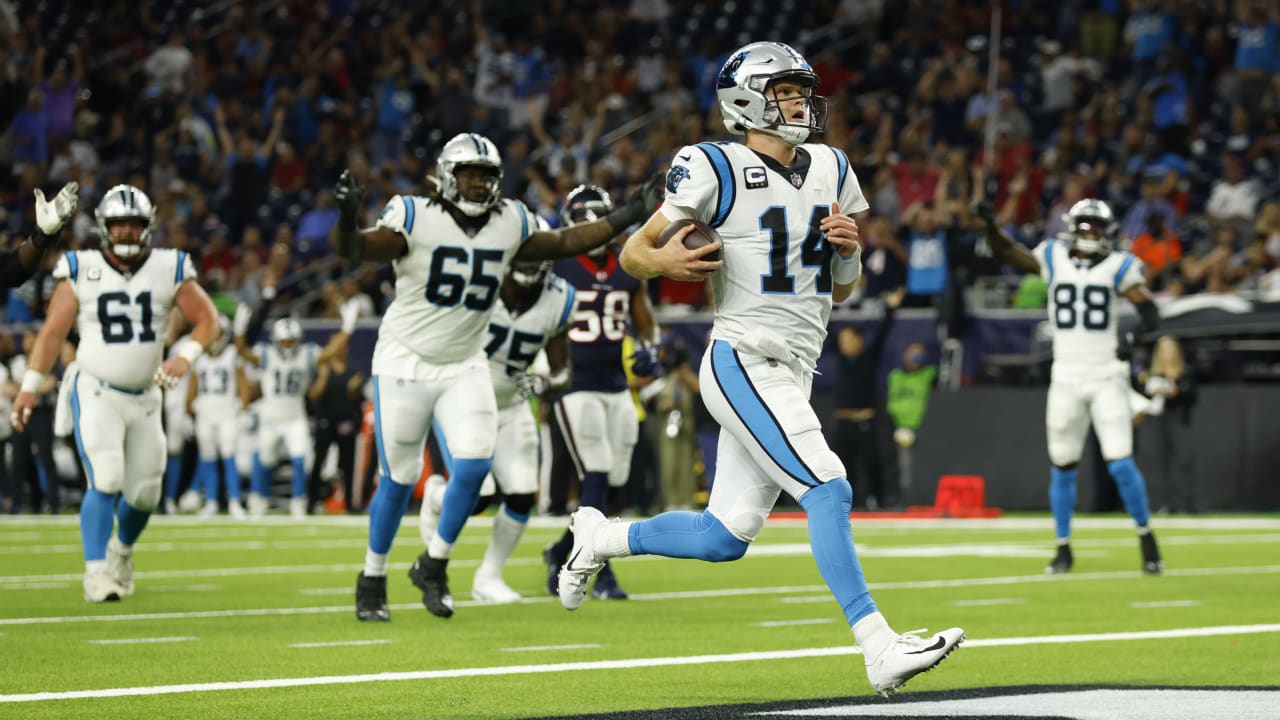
(777, 264)
(123, 315)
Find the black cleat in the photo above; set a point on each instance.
(1061, 562)
(607, 587)
(371, 599)
(430, 576)
(554, 561)
(1151, 563)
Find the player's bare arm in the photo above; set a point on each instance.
(198, 310)
(642, 319)
(61, 315)
(642, 259)
(558, 360)
(375, 244)
(1002, 246)
(579, 238)
(841, 232)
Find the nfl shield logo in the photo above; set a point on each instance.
(601, 276)
(796, 179)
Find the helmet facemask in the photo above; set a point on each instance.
(529, 273)
(119, 204)
(584, 204)
(1091, 228)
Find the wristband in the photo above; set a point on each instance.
(268, 292)
(31, 380)
(844, 271)
(191, 350)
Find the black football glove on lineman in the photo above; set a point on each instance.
(985, 211)
(349, 196)
(643, 201)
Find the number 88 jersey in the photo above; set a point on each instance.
(122, 315)
(1083, 306)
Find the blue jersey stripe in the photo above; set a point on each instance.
(408, 214)
(524, 221)
(724, 176)
(1048, 258)
(445, 456)
(74, 263)
(842, 165)
(1124, 267)
(75, 421)
(750, 408)
(568, 305)
(383, 465)
(182, 260)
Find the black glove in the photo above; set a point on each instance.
(1124, 347)
(985, 211)
(643, 201)
(349, 196)
(644, 361)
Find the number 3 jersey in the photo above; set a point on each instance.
(600, 321)
(1083, 305)
(777, 264)
(447, 282)
(516, 338)
(123, 315)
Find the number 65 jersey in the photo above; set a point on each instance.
(122, 315)
(1083, 306)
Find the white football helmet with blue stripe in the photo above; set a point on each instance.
(125, 202)
(468, 149)
(1091, 227)
(741, 87)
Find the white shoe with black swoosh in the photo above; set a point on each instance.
(582, 563)
(909, 655)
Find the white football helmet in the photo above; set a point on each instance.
(741, 92)
(124, 202)
(1091, 227)
(286, 330)
(463, 150)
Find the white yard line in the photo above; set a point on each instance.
(1166, 604)
(341, 643)
(789, 623)
(543, 648)
(625, 664)
(676, 595)
(142, 641)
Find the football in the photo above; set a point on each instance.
(702, 236)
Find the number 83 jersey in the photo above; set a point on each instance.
(122, 315)
(1083, 305)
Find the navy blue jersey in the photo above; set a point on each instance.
(600, 321)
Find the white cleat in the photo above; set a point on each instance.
(258, 505)
(432, 503)
(236, 510)
(298, 508)
(101, 587)
(582, 563)
(908, 656)
(190, 501)
(209, 510)
(170, 507)
(492, 590)
(120, 566)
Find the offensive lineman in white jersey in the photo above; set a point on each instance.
(1088, 383)
(788, 253)
(213, 399)
(449, 254)
(119, 297)
(536, 311)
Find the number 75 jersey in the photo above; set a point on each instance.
(1083, 306)
(122, 315)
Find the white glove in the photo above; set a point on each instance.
(349, 312)
(1157, 385)
(240, 324)
(52, 214)
(905, 437)
(531, 385)
(164, 379)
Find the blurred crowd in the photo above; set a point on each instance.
(237, 118)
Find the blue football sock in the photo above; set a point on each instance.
(461, 495)
(389, 503)
(1132, 488)
(132, 521)
(1062, 499)
(260, 480)
(517, 516)
(299, 477)
(231, 478)
(595, 491)
(831, 538)
(685, 534)
(207, 478)
(172, 476)
(97, 516)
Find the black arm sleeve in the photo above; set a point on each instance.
(257, 320)
(12, 272)
(882, 333)
(1149, 318)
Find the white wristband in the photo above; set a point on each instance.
(845, 271)
(191, 350)
(31, 380)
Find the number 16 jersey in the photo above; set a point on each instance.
(1083, 306)
(123, 315)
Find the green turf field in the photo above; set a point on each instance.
(238, 620)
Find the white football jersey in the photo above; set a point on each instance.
(175, 398)
(448, 282)
(216, 383)
(1083, 307)
(284, 379)
(777, 265)
(122, 315)
(515, 340)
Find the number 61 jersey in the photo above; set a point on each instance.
(1083, 306)
(123, 315)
